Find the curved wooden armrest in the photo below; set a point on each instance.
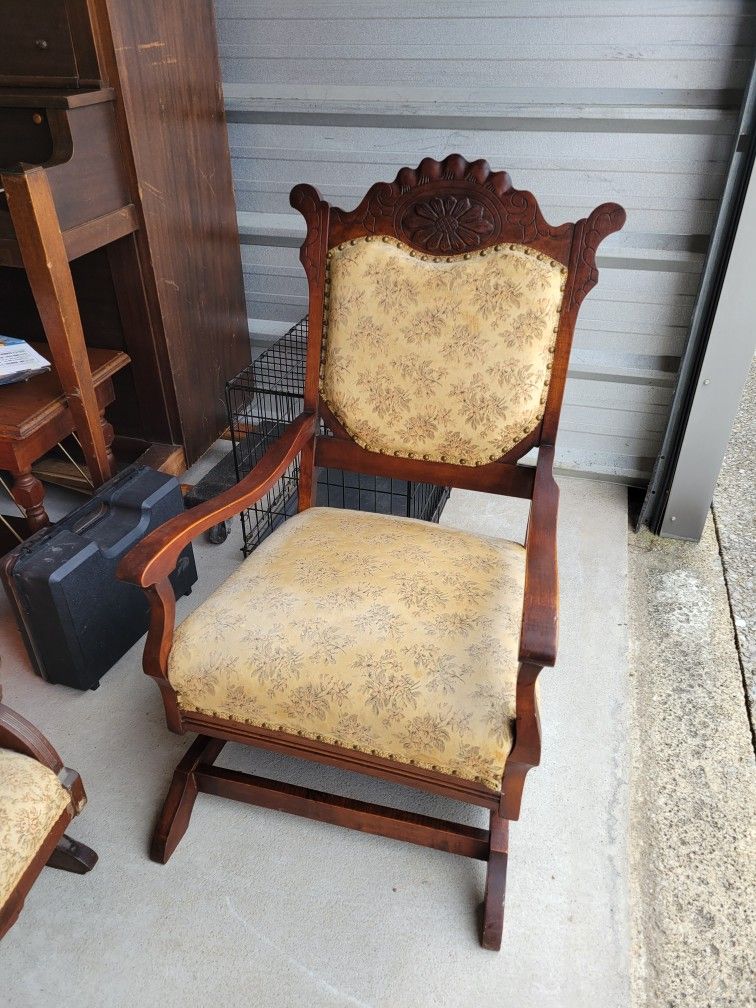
(21, 736)
(153, 559)
(539, 630)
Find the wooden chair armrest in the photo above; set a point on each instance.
(21, 736)
(153, 559)
(540, 630)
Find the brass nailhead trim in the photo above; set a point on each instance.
(514, 247)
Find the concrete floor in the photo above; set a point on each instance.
(258, 908)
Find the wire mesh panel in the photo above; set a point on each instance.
(265, 397)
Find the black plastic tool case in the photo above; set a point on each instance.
(76, 618)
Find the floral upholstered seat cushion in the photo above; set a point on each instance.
(439, 357)
(31, 801)
(387, 635)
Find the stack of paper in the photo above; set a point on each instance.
(18, 361)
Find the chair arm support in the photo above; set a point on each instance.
(539, 630)
(153, 559)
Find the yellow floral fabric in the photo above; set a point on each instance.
(31, 801)
(443, 358)
(387, 635)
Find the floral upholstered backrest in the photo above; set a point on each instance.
(440, 357)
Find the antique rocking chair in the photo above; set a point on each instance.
(441, 317)
(38, 799)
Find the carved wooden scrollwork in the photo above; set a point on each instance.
(603, 221)
(306, 199)
(450, 207)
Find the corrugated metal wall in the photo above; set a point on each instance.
(581, 101)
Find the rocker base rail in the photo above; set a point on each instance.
(455, 838)
(196, 774)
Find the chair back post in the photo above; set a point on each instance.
(582, 277)
(313, 256)
(451, 207)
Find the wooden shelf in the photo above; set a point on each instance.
(28, 406)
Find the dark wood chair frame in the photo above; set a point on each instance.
(458, 193)
(58, 849)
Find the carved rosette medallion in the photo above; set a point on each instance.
(446, 224)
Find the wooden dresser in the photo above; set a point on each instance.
(120, 101)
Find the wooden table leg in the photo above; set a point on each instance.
(28, 493)
(109, 436)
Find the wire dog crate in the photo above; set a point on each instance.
(261, 401)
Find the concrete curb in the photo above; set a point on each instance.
(693, 784)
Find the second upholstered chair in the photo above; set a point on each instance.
(38, 799)
(441, 318)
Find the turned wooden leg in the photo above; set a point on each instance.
(28, 493)
(179, 802)
(109, 435)
(72, 856)
(496, 880)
